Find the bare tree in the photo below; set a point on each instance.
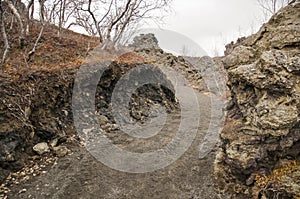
(58, 12)
(61, 16)
(3, 33)
(42, 20)
(19, 19)
(216, 51)
(115, 17)
(270, 7)
(87, 17)
(29, 15)
(113, 21)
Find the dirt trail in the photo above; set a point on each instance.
(80, 175)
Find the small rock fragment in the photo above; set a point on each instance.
(41, 148)
(23, 191)
(60, 151)
(53, 143)
(103, 120)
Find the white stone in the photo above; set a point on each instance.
(41, 148)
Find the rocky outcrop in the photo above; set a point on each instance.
(129, 74)
(183, 65)
(231, 46)
(261, 137)
(145, 41)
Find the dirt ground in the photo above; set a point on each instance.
(80, 175)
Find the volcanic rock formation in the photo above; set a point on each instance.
(261, 139)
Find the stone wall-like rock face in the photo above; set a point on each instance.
(142, 99)
(262, 131)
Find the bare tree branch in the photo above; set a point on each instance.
(117, 17)
(270, 7)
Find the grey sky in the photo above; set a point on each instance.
(213, 23)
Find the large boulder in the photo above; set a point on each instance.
(260, 143)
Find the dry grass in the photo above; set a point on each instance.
(52, 52)
(278, 181)
(56, 54)
(277, 175)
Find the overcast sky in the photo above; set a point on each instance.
(213, 23)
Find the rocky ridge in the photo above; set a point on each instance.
(261, 137)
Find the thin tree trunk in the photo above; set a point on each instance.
(61, 16)
(36, 42)
(95, 21)
(30, 5)
(18, 16)
(42, 19)
(119, 35)
(108, 35)
(4, 35)
(12, 22)
(32, 11)
(274, 6)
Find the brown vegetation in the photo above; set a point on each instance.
(53, 52)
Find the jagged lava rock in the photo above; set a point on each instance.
(145, 41)
(263, 120)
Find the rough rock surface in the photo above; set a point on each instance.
(145, 41)
(143, 98)
(181, 64)
(262, 130)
